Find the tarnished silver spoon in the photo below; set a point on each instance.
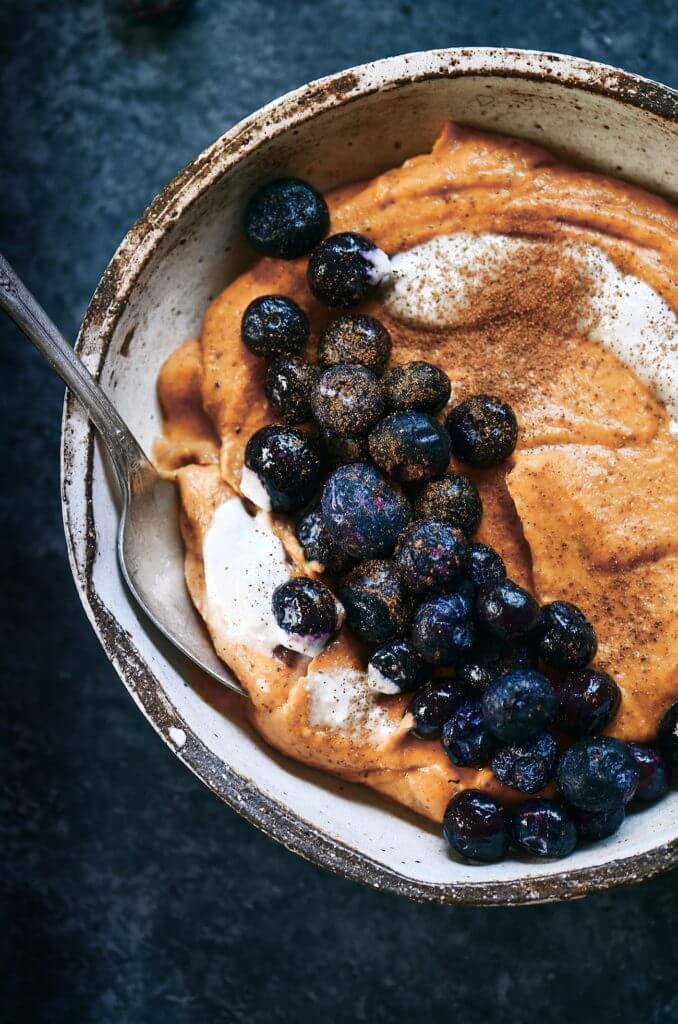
(150, 549)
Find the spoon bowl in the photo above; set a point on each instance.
(149, 545)
(150, 556)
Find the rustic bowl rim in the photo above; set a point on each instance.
(105, 308)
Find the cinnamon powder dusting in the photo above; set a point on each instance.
(517, 323)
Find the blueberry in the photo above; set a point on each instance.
(344, 267)
(476, 826)
(587, 701)
(342, 450)
(289, 381)
(667, 737)
(318, 546)
(487, 567)
(483, 430)
(474, 675)
(454, 499)
(355, 338)
(498, 657)
(654, 772)
(286, 218)
(431, 556)
(465, 737)
(442, 630)
(306, 610)
(410, 446)
(347, 400)
(465, 587)
(417, 385)
(544, 828)
(519, 705)
(395, 667)
(567, 638)
(287, 462)
(597, 773)
(432, 705)
(526, 766)
(507, 610)
(595, 825)
(488, 650)
(520, 653)
(274, 325)
(376, 604)
(363, 514)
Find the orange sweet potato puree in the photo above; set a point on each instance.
(586, 509)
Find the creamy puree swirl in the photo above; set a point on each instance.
(550, 286)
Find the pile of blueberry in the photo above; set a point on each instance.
(499, 681)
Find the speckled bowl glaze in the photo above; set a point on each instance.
(182, 251)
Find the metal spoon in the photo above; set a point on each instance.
(150, 549)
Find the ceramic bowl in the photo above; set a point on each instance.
(183, 250)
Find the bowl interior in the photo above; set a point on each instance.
(171, 265)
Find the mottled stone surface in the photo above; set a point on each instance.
(129, 893)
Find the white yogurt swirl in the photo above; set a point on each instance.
(429, 283)
(244, 561)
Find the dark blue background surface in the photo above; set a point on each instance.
(129, 893)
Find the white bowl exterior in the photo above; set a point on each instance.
(168, 269)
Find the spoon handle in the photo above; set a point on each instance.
(29, 315)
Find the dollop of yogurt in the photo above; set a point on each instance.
(380, 265)
(342, 700)
(379, 683)
(244, 561)
(252, 488)
(429, 284)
